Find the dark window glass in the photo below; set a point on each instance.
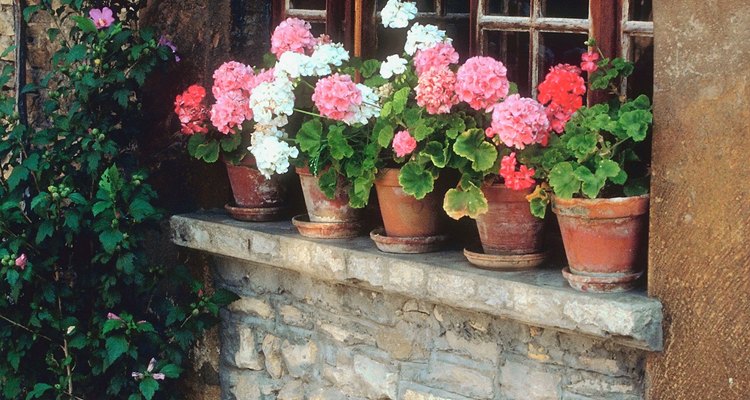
(457, 6)
(308, 4)
(642, 55)
(566, 9)
(512, 48)
(640, 10)
(559, 48)
(514, 8)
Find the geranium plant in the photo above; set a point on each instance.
(595, 154)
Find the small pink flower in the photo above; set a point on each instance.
(440, 55)
(293, 34)
(519, 121)
(102, 18)
(404, 143)
(436, 90)
(21, 261)
(112, 315)
(337, 97)
(516, 180)
(482, 82)
(588, 61)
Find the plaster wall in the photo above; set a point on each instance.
(700, 211)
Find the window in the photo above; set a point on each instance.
(529, 36)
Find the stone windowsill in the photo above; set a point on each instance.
(539, 298)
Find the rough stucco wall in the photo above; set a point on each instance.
(700, 212)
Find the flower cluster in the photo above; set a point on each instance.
(482, 82)
(562, 92)
(271, 151)
(436, 91)
(393, 65)
(519, 121)
(292, 35)
(437, 56)
(404, 143)
(337, 97)
(271, 101)
(588, 61)
(516, 180)
(233, 84)
(422, 37)
(397, 14)
(191, 110)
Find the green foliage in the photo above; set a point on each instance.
(87, 309)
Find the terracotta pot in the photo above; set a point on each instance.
(403, 215)
(322, 209)
(251, 189)
(508, 228)
(604, 239)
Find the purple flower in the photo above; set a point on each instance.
(151, 364)
(163, 41)
(21, 261)
(102, 18)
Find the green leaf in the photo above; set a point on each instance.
(327, 183)
(122, 96)
(466, 202)
(126, 263)
(110, 239)
(607, 169)
(85, 24)
(309, 137)
(592, 184)
(582, 144)
(148, 387)
(437, 153)
(19, 174)
(223, 297)
(111, 325)
(338, 144)
(538, 207)
(369, 68)
(193, 143)
(400, 99)
(100, 206)
(473, 146)
(12, 277)
(635, 124)
(421, 131)
(231, 142)
(563, 180)
(416, 180)
(637, 187)
(46, 229)
(76, 53)
(116, 346)
(29, 11)
(141, 209)
(171, 371)
(208, 152)
(78, 198)
(38, 391)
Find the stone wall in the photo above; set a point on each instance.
(293, 337)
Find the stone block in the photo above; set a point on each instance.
(520, 381)
(299, 358)
(417, 392)
(378, 378)
(252, 306)
(458, 375)
(271, 348)
(292, 390)
(291, 315)
(603, 386)
(247, 355)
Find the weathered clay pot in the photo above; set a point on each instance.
(604, 240)
(251, 189)
(403, 215)
(322, 209)
(508, 228)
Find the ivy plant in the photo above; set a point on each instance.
(84, 313)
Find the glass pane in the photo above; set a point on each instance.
(307, 4)
(559, 48)
(514, 8)
(565, 8)
(640, 10)
(512, 48)
(423, 6)
(642, 55)
(318, 28)
(457, 6)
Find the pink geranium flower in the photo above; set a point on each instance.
(440, 55)
(293, 34)
(436, 90)
(102, 18)
(404, 143)
(482, 82)
(21, 261)
(588, 61)
(337, 97)
(562, 92)
(516, 180)
(519, 121)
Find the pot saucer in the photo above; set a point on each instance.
(503, 262)
(406, 245)
(601, 284)
(255, 214)
(326, 230)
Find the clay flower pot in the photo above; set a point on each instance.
(256, 198)
(411, 225)
(605, 241)
(326, 218)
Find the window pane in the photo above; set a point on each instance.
(557, 48)
(640, 10)
(566, 8)
(512, 48)
(423, 6)
(515, 8)
(318, 28)
(457, 6)
(307, 4)
(642, 55)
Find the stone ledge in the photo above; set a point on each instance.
(539, 298)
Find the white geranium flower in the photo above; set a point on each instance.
(397, 14)
(369, 107)
(271, 152)
(325, 55)
(422, 37)
(270, 100)
(393, 65)
(293, 65)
